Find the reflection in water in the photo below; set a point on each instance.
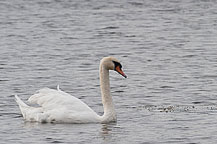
(106, 128)
(31, 124)
(113, 133)
(106, 131)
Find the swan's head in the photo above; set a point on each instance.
(112, 63)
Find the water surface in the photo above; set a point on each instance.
(167, 49)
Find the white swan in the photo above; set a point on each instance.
(56, 106)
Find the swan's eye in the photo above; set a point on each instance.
(118, 69)
(117, 64)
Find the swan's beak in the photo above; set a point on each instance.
(118, 69)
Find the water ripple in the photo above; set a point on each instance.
(167, 49)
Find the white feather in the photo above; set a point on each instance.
(59, 107)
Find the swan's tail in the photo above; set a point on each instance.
(20, 102)
(29, 113)
(23, 107)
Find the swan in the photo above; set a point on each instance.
(57, 106)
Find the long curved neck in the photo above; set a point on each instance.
(109, 111)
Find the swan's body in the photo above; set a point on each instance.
(56, 106)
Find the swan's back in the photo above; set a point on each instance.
(58, 107)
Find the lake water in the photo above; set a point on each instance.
(168, 50)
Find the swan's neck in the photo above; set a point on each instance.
(109, 111)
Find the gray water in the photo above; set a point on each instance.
(168, 49)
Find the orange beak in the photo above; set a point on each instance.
(118, 69)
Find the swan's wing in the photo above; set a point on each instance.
(62, 107)
(50, 98)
